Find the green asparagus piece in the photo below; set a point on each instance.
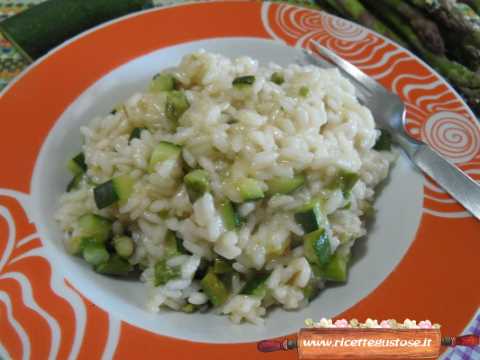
(455, 16)
(360, 14)
(461, 22)
(473, 98)
(474, 4)
(465, 51)
(427, 30)
(458, 74)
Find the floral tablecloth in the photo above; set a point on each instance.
(11, 62)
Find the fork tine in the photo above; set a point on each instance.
(366, 81)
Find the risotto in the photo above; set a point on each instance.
(227, 185)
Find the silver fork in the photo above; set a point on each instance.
(389, 113)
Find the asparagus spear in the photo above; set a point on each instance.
(358, 13)
(459, 75)
(465, 51)
(473, 98)
(458, 17)
(335, 6)
(474, 4)
(425, 28)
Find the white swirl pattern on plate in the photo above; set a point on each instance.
(342, 30)
(18, 255)
(453, 136)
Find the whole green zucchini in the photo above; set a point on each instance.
(37, 30)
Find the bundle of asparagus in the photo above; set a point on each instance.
(445, 33)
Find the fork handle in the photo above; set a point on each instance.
(459, 185)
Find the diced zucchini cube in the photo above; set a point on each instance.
(117, 189)
(284, 185)
(202, 269)
(77, 165)
(250, 189)
(214, 288)
(115, 266)
(317, 247)
(176, 104)
(256, 286)
(345, 180)
(180, 248)
(189, 308)
(164, 151)
(197, 182)
(95, 253)
(105, 195)
(310, 218)
(311, 290)
(164, 273)
(73, 245)
(221, 266)
(75, 182)
(136, 133)
(384, 141)
(124, 246)
(368, 209)
(123, 186)
(337, 268)
(162, 82)
(95, 226)
(171, 245)
(230, 218)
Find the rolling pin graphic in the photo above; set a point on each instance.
(367, 343)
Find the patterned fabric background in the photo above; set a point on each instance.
(463, 352)
(11, 62)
